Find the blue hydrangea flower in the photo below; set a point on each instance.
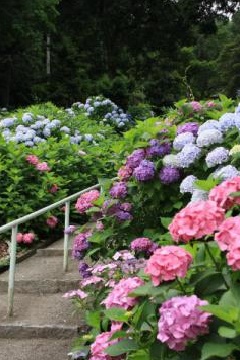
(209, 124)
(29, 143)
(217, 157)
(188, 155)
(209, 137)
(227, 121)
(198, 195)
(183, 139)
(237, 110)
(187, 185)
(8, 122)
(226, 172)
(27, 118)
(65, 129)
(46, 132)
(88, 137)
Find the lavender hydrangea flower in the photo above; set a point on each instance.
(226, 172)
(189, 154)
(217, 157)
(227, 121)
(156, 149)
(188, 127)
(8, 122)
(183, 139)
(134, 159)
(170, 160)
(169, 175)
(209, 124)
(80, 245)
(187, 185)
(84, 270)
(119, 190)
(209, 137)
(145, 171)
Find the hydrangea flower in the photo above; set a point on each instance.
(196, 106)
(169, 175)
(195, 221)
(170, 160)
(188, 155)
(209, 125)
(145, 171)
(32, 159)
(86, 200)
(75, 294)
(135, 158)
(221, 193)
(217, 156)
(198, 195)
(8, 122)
(101, 343)
(228, 233)
(125, 172)
(42, 167)
(188, 127)
(119, 190)
(143, 244)
(118, 297)
(84, 270)
(168, 263)
(183, 139)
(157, 149)
(181, 321)
(80, 245)
(187, 185)
(227, 121)
(209, 137)
(233, 257)
(52, 221)
(226, 172)
(27, 117)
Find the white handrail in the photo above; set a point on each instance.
(13, 225)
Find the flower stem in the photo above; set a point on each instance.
(218, 268)
(181, 286)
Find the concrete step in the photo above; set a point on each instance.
(44, 316)
(42, 275)
(56, 249)
(34, 349)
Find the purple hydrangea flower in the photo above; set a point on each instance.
(209, 124)
(189, 154)
(217, 157)
(156, 149)
(143, 245)
(135, 158)
(227, 121)
(119, 190)
(145, 171)
(226, 172)
(169, 175)
(187, 185)
(183, 139)
(70, 229)
(209, 137)
(188, 127)
(84, 270)
(80, 245)
(123, 215)
(132, 266)
(120, 211)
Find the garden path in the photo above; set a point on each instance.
(43, 326)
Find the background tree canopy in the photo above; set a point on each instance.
(132, 50)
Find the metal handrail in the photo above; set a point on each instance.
(13, 225)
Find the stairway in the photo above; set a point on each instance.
(44, 324)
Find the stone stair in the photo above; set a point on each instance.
(44, 324)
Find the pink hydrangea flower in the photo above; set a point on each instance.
(99, 268)
(28, 238)
(101, 343)
(91, 280)
(143, 245)
(42, 167)
(118, 297)
(221, 193)
(167, 263)
(75, 293)
(196, 220)
(181, 321)
(32, 159)
(86, 201)
(210, 104)
(233, 256)
(54, 189)
(196, 106)
(229, 233)
(125, 172)
(52, 221)
(19, 238)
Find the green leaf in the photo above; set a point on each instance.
(227, 332)
(166, 221)
(225, 313)
(122, 347)
(209, 283)
(119, 334)
(214, 349)
(208, 184)
(117, 314)
(93, 319)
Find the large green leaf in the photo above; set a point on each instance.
(122, 347)
(210, 350)
(117, 314)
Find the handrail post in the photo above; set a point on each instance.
(66, 236)
(13, 248)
